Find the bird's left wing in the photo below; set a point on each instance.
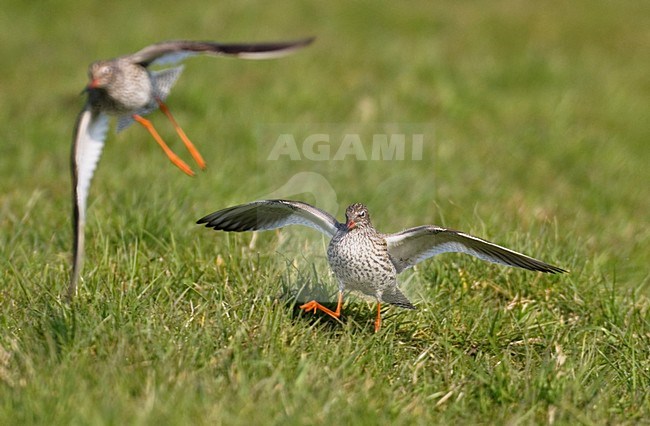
(271, 214)
(414, 245)
(168, 52)
(88, 141)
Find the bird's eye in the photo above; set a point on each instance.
(106, 70)
(362, 214)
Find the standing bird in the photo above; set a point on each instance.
(125, 87)
(362, 258)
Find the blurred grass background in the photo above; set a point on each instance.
(537, 132)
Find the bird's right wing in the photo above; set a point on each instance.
(88, 141)
(171, 52)
(414, 245)
(271, 214)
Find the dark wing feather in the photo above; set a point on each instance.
(88, 141)
(271, 214)
(177, 50)
(414, 245)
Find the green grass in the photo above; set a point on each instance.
(537, 138)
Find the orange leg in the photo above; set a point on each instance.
(173, 157)
(378, 320)
(314, 305)
(190, 146)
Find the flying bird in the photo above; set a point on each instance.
(362, 258)
(126, 87)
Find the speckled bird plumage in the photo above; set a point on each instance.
(120, 87)
(360, 260)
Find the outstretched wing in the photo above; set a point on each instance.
(175, 51)
(271, 214)
(88, 141)
(414, 245)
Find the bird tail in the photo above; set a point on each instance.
(164, 80)
(396, 297)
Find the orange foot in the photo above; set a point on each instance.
(314, 306)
